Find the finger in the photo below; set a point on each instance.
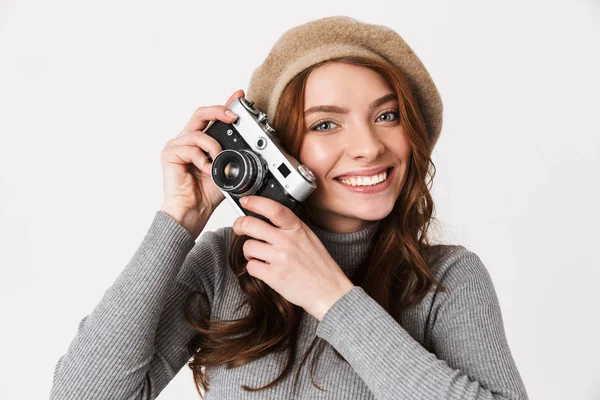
(260, 270)
(254, 249)
(202, 140)
(257, 228)
(187, 155)
(235, 95)
(203, 115)
(277, 213)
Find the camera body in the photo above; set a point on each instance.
(253, 162)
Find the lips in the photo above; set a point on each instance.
(365, 172)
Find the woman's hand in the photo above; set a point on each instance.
(190, 195)
(290, 258)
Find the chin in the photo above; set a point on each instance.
(368, 212)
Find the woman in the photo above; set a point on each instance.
(350, 284)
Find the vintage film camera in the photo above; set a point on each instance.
(253, 162)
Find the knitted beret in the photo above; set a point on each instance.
(326, 38)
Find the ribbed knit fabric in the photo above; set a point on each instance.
(135, 340)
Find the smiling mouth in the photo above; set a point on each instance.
(353, 182)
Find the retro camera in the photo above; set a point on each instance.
(253, 162)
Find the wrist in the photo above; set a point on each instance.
(193, 221)
(345, 286)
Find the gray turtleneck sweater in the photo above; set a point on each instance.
(134, 341)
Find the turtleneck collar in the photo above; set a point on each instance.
(349, 250)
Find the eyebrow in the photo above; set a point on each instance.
(342, 110)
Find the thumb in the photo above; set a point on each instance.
(237, 94)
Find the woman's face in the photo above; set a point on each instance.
(352, 126)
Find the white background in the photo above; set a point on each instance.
(91, 92)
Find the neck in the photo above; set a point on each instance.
(350, 249)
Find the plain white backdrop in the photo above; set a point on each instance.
(91, 92)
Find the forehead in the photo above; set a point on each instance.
(342, 83)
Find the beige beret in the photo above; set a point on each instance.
(331, 37)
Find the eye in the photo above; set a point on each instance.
(321, 124)
(391, 116)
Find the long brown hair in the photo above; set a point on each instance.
(273, 322)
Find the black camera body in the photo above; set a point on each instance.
(253, 162)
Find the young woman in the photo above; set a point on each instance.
(351, 284)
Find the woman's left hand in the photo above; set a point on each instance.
(290, 258)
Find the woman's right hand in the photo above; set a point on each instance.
(190, 195)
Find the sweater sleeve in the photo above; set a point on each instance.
(135, 340)
(466, 330)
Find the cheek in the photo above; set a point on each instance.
(319, 156)
(399, 146)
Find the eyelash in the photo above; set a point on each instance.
(322, 121)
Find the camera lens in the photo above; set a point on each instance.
(231, 171)
(238, 172)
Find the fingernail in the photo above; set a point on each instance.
(230, 114)
(244, 200)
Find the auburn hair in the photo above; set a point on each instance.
(395, 274)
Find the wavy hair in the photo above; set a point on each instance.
(273, 322)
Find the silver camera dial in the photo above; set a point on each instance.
(306, 173)
(262, 117)
(249, 105)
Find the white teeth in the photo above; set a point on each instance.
(365, 180)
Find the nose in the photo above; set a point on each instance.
(363, 143)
